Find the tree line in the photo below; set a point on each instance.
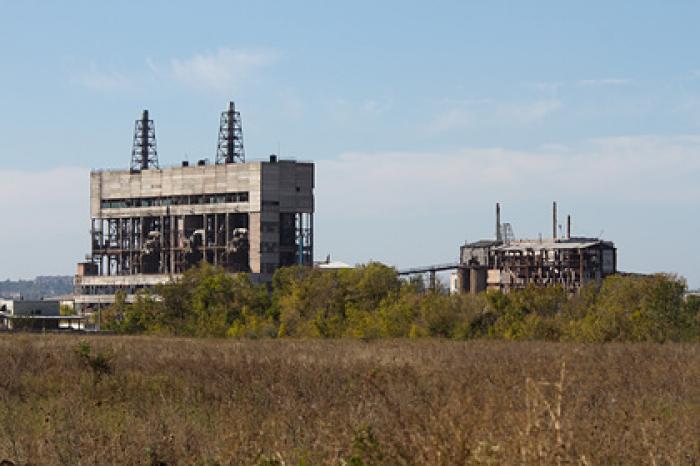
(372, 301)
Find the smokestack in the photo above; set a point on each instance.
(568, 227)
(554, 220)
(498, 222)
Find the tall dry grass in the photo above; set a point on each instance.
(132, 400)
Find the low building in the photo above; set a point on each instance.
(36, 315)
(329, 264)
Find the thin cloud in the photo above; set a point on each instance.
(529, 112)
(469, 114)
(554, 87)
(545, 86)
(603, 82)
(222, 70)
(344, 110)
(450, 120)
(375, 107)
(100, 80)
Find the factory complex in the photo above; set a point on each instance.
(149, 224)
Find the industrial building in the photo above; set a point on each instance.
(150, 224)
(507, 263)
(36, 315)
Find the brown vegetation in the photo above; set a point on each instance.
(146, 400)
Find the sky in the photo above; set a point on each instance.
(420, 116)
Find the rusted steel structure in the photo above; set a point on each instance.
(507, 264)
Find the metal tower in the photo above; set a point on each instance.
(144, 154)
(230, 146)
(507, 235)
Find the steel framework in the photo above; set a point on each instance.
(143, 153)
(230, 146)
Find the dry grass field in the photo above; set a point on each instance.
(133, 400)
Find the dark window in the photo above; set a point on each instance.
(216, 198)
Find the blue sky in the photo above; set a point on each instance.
(420, 115)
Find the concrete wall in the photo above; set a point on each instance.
(289, 183)
(176, 181)
(478, 254)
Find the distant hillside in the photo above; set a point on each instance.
(40, 287)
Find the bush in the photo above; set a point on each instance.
(637, 309)
(100, 363)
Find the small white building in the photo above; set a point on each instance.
(329, 264)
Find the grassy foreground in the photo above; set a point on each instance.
(145, 400)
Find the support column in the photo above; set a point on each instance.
(172, 244)
(580, 266)
(132, 239)
(227, 234)
(216, 240)
(93, 239)
(311, 239)
(120, 245)
(254, 241)
(140, 243)
(102, 246)
(162, 262)
(204, 237)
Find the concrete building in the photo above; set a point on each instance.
(150, 224)
(506, 263)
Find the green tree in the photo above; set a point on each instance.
(636, 309)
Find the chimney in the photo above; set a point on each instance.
(498, 223)
(568, 227)
(554, 220)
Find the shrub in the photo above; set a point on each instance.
(371, 301)
(100, 364)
